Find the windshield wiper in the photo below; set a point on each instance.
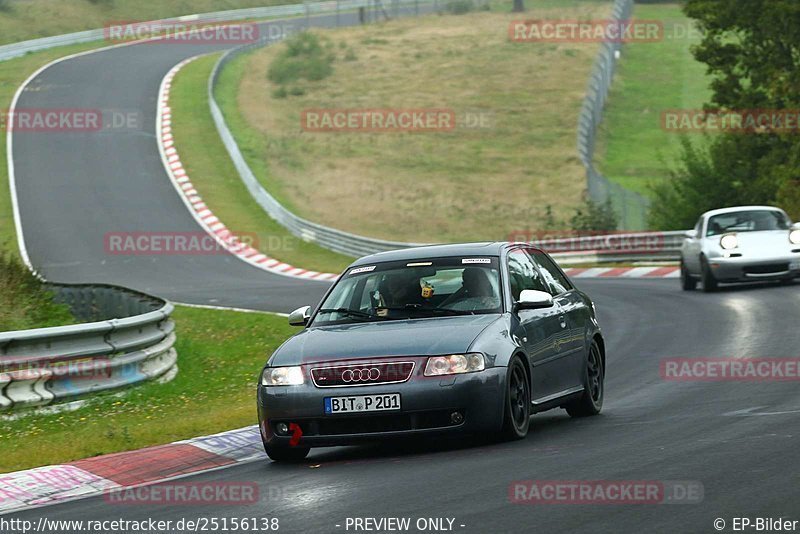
(420, 308)
(348, 312)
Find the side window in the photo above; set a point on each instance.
(552, 274)
(698, 228)
(522, 274)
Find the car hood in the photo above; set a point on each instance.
(416, 337)
(770, 243)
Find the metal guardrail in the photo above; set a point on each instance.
(13, 50)
(129, 341)
(336, 240)
(616, 248)
(631, 207)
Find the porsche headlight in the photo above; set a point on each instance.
(794, 237)
(729, 241)
(455, 364)
(282, 376)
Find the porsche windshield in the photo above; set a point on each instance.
(747, 221)
(414, 289)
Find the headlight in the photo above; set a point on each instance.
(454, 364)
(729, 241)
(794, 237)
(282, 376)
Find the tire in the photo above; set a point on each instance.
(709, 282)
(591, 402)
(517, 410)
(687, 282)
(285, 454)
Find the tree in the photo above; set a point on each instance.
(752, 50)
(728, 170)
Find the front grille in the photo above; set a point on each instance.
(767, 268)
(362, 374)
(374, 424)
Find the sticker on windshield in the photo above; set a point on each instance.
(476, 260)
(363, 269)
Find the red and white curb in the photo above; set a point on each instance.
(193, 200)
(625, 272)
(114, 472)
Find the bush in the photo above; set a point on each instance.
(303, 58)
(594, 216)
(730, 170)
(459, 7)
(5, 6)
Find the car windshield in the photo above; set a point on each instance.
(747, 221)
(414, 289)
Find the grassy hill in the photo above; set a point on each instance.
(468, 183)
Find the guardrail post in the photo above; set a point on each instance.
(5, 402)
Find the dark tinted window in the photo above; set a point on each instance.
(552, 274)
(523, 274)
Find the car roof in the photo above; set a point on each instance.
(723, 211)
(436, 251)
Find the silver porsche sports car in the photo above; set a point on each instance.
(740, 244)
(437, 340)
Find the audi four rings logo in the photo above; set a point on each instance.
(361, 375)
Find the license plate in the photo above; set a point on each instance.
(795, 265)
(362, 403)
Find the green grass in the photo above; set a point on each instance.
(30, 19)
(461, 185)
(24, 302)
(633, 149)
(213, 174)
(220, 354)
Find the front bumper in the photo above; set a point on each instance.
(426, 405)
(744, 269)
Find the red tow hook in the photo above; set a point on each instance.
(297, 433)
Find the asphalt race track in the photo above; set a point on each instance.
(74, 187)
(739, 440)
(650, 430)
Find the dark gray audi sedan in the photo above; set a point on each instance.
(471, 338)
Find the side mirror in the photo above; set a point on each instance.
(300, 316)
(691, 234)
(530, 299)
(796, 226)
